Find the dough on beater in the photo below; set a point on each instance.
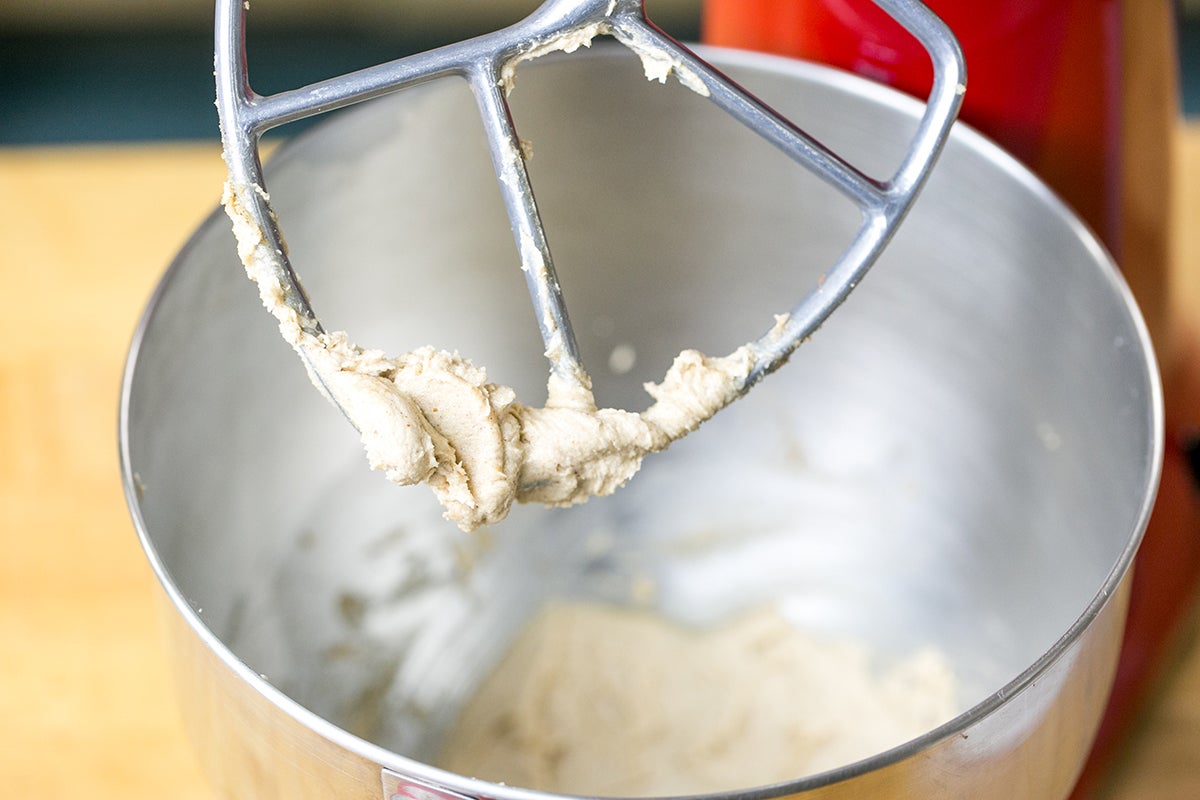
(595, 700)
(431, 416)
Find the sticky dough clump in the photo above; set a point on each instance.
(433, 417)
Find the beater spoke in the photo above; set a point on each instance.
(760, 118)
(536, 262)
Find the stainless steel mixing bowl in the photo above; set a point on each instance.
(963, 457)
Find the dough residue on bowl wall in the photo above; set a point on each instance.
(597, 700)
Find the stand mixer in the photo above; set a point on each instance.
(964, 458)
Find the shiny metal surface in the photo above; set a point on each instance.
(964, 456)
(488, 64)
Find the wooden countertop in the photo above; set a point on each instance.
(86, 703)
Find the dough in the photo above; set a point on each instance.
(595, 700)
(433, 417)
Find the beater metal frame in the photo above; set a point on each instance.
(487, 63)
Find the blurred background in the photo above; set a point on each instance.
(135, 70)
